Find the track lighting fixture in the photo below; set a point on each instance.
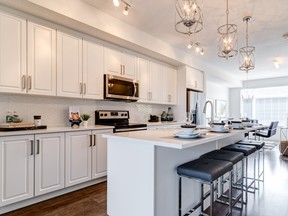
(126, 6)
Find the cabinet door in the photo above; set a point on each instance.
(92, 70)
(69, 65)
(112, 61)
(172, 86)
(16, 168)
(78, 157)
(41, 60)
(12, 54)
(194, 79)
(99, 154)
(49, 163)
(129, 65)
(155, 82)
(143, 75)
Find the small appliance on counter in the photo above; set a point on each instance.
(119, 119)
(153, 118)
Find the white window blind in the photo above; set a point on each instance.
(268, 104)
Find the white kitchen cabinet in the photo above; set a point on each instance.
(194, 79)
(78, 157)
(92, 70)
(41, 49)
(169, 85)
(69, 65)
(49, 163)
(99, 154)
(86, 156)
(31, 166)
(12, 54)
(150, 81)
(119, 63)
(16, 168)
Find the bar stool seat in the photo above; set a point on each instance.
(257, 144)
(245, 149)
(233, 157)
(205, 171)
(225, 155)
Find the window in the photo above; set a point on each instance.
(266, 104)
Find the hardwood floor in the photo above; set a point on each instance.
(270, 200)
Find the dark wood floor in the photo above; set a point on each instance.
(270, 200)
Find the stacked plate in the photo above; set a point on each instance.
(222, 130)
(189, 135)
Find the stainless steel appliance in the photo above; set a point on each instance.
(120, 88)
(119, 119)
(194, 104)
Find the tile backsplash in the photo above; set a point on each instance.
(54, 110)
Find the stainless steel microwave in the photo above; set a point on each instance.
(120, 88)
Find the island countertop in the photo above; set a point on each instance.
(166, 137)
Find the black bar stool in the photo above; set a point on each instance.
(235, 158)
(205, 171)
(247, 151)
(260, 150)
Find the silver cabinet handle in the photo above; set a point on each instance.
(29, 82)
(94, 140)
(135, 89)
(32, 147)
(23, 81)
(124, 69)
(90, 140)
(121, 69)
(38, 147)
(85, 90)
(81, 88)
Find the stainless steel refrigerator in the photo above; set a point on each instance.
(194, 104)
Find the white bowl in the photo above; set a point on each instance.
(218, 126)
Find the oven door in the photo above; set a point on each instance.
(119, 88)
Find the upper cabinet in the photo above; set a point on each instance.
(69, 65)
(79, 67)
(194, 79)
(157, 82)
(92, 70)
(12, 54)
(169, 88)
(119, 63)
(41, 74)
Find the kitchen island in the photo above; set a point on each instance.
(142, 178)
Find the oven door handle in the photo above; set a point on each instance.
(129, 129)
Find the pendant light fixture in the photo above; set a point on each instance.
(247, 58)
(227, 46)
(126, 6)
(189, 18)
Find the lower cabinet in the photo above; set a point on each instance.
(33, 165)
(30, 166)
(86, 156)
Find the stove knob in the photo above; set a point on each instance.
(105, 114)
(122, 114)
(101, 114)
(125, 114)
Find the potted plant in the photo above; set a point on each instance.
(85, 118)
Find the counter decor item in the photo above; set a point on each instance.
(169, 116)
(74, 116)
(37, 120)
(164, 116)
(85, 118)
(153, 118)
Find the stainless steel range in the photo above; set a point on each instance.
(119, 119)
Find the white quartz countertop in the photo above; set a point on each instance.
(166, 137)
(54, 130)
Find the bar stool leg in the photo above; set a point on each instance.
(230, 192)
(202, 197)
(180, 196)
(211, 198)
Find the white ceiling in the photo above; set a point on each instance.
(157, 17)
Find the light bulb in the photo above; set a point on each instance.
(197, 49)
(125, 11)
(202, 52)
(116, 3)
(189, 46)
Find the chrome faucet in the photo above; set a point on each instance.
(212, 110)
